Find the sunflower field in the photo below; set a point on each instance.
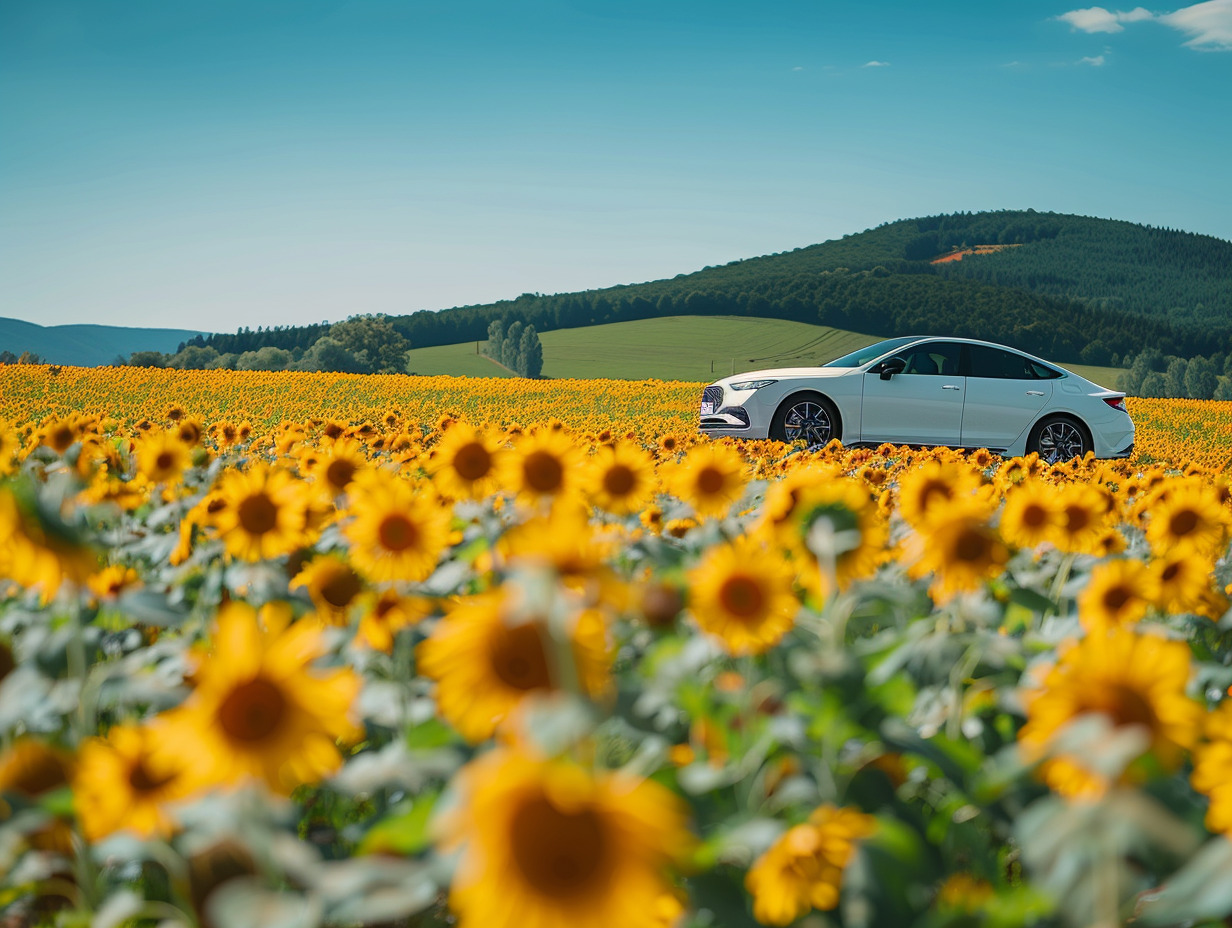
(335, 650)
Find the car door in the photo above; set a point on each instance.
(1005, 393)
(923, 405)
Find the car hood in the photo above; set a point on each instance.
(787, 373)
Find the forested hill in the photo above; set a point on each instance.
(1072, 287)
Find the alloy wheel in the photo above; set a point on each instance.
(808, 421)
(1061, 441)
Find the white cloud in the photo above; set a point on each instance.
(1208, 25)
(1096, 62)
(1097, 19)
(798, 68)
(875, 64)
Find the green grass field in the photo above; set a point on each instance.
(692, 348)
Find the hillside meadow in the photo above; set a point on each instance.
(335, 650)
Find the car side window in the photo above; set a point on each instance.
(940, 358)
(1001, 365)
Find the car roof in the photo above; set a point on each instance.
(975, 341)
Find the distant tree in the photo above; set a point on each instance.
(496, 338)
(1223, 389)
(7, 357)
(224, 362)
(374, 343)
(29, 357)
(512, 346)
(147, 359)
(193, 358)
(1174, 377)
(1153, 384)
(328, 354)
(1201, 379)
(530, 353)
(264, 359)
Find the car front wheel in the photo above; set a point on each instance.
(1059, 439)
(808, 417)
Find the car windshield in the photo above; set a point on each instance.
(864, 355)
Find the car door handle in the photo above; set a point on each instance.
(1035, 393)
(949, 386)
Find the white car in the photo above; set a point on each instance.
(921, 390)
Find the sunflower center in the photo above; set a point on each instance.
(1077, 518)
(473, 461)
(518, 658)
(397, 533)
(339, 473)
(1117, 597)
(710, 480)
(561, 854)
(61, 438)
(1182, 523)
(1034, 515)
(252, 711)
(258, 514)
(340, 588)
(742, 596)
(934, 490)
(144, 780)
(619, 480)
(165, 461)
(1123, 704)
(1169, 573)
(544, 472)
(972, 547)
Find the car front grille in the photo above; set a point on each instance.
(713, 395)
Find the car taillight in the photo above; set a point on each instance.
(1116, 402)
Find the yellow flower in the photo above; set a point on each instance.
(741, 593)
(1132, 679)
(110, 582)
(258, 709)
(395, 532)
(1182, 581)
(1082, 513)
(959, 547)
(1212, 773)
(1190, 519)
(551, 845)
(333, 586)
(803, 869)
(262, 513)
(339, 463)
(710, 478)
(465, 463)
(964, 892)
(542, 467)
(1117, 593)
(125, 782)
(1031, 516)
(929, 489)
(385, 615)
(620, 479)
(490, 652)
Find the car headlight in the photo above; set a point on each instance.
(744, 385)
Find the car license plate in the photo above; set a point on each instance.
(707, 409)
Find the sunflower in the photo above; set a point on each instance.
(384, 615)
(710, 478)
(258, 710)
(1212, 773)
(111, 581)
(465, 463)
(1189, 519)
(927, 490)
(1130, 678)
(620, 479)
(803, 869)
(125, 782)
(741, 593)
(1031, 516)
(162, 456)
(959, 548)
(1182, 581)
(1082, 518)
(338, 464)
(262, 513)
(491, 651)
(32, 767)
(541, 467)
(395, 532)
(549, 844)
(1119, 592)
(333, 586)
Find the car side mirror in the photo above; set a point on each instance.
(891, 366)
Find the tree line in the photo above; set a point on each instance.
(516, 346)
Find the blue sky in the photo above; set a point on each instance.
(212, 165)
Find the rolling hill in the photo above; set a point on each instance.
(691, 348)
(86, 345)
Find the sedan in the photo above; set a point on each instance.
(921, 390)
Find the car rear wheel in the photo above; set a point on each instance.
(1058, 439)
(808, 417)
